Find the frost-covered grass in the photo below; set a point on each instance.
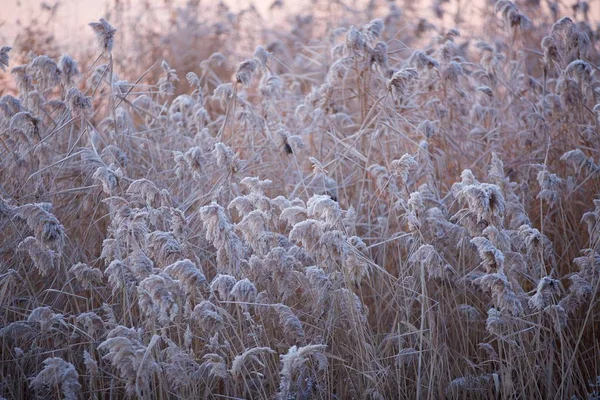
(381, 209)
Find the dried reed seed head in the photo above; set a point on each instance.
(317, 166)
(166, 83)
(486, 91)
(121, 87)
(68, 69)
(291, 143)
(420, 60)
(402, 166)
(448, 54)
(108, 178)
(91, 366)
(511, 14)
(262, 56)
(23, 80)
(216, 365)
(158, 298)
(130, 357)
(563, 27)
(190, 161)
(551, 51)
(35, 101)
(105, 34)
(243, 204)
(163, 247)
(501, 291)
(416, 204)
(179, 366)
(357, 265)
(79, 104)
(18, 332)
(192, 79)
(307, 232)
(484, 200)
(484, 47)
(468, 312)
(355, 40)
(428, 128)
(100, 74)
(495, 322)
(583, 7)
(133, 334)
(292, 327)
(588, 264)
(338, 71)
(374, 29)
(246, 71)
(10, 105)
(179, 223)
(216, 222)
(558, 316)
(254, 225)
(349, 308)
(550, 186)
(181, 109)
(473, 386)
(4, 50)
(239, 366)
(221, 286)
(401, 79)
(499, 238)
(581, 162)
(26, 125)
(120, 276)
(244, 291)
(256, 185)
(579, 69)
(432, 262)
(226, 158)
(85, 275)
(45, 317)
(145, 190)
(293, 215)
(325, 208)
(292, 363)
(379, 56)
(496, 171)
(580, 287)
(45, 72)
(547, 291)
(536, 243)
(423, 26)
(207, 316)
(492, 258)
(271, 86)
(57, 373)
(190, 276)
(44, 259)
(92, 323)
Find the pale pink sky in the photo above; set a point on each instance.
(73, 15)
(70, 24)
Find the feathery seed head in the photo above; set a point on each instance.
(105, 34)
(4, 50)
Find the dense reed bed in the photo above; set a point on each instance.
(357, 204)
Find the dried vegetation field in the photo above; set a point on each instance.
(359, 202)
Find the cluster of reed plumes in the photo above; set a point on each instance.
(343, 217)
